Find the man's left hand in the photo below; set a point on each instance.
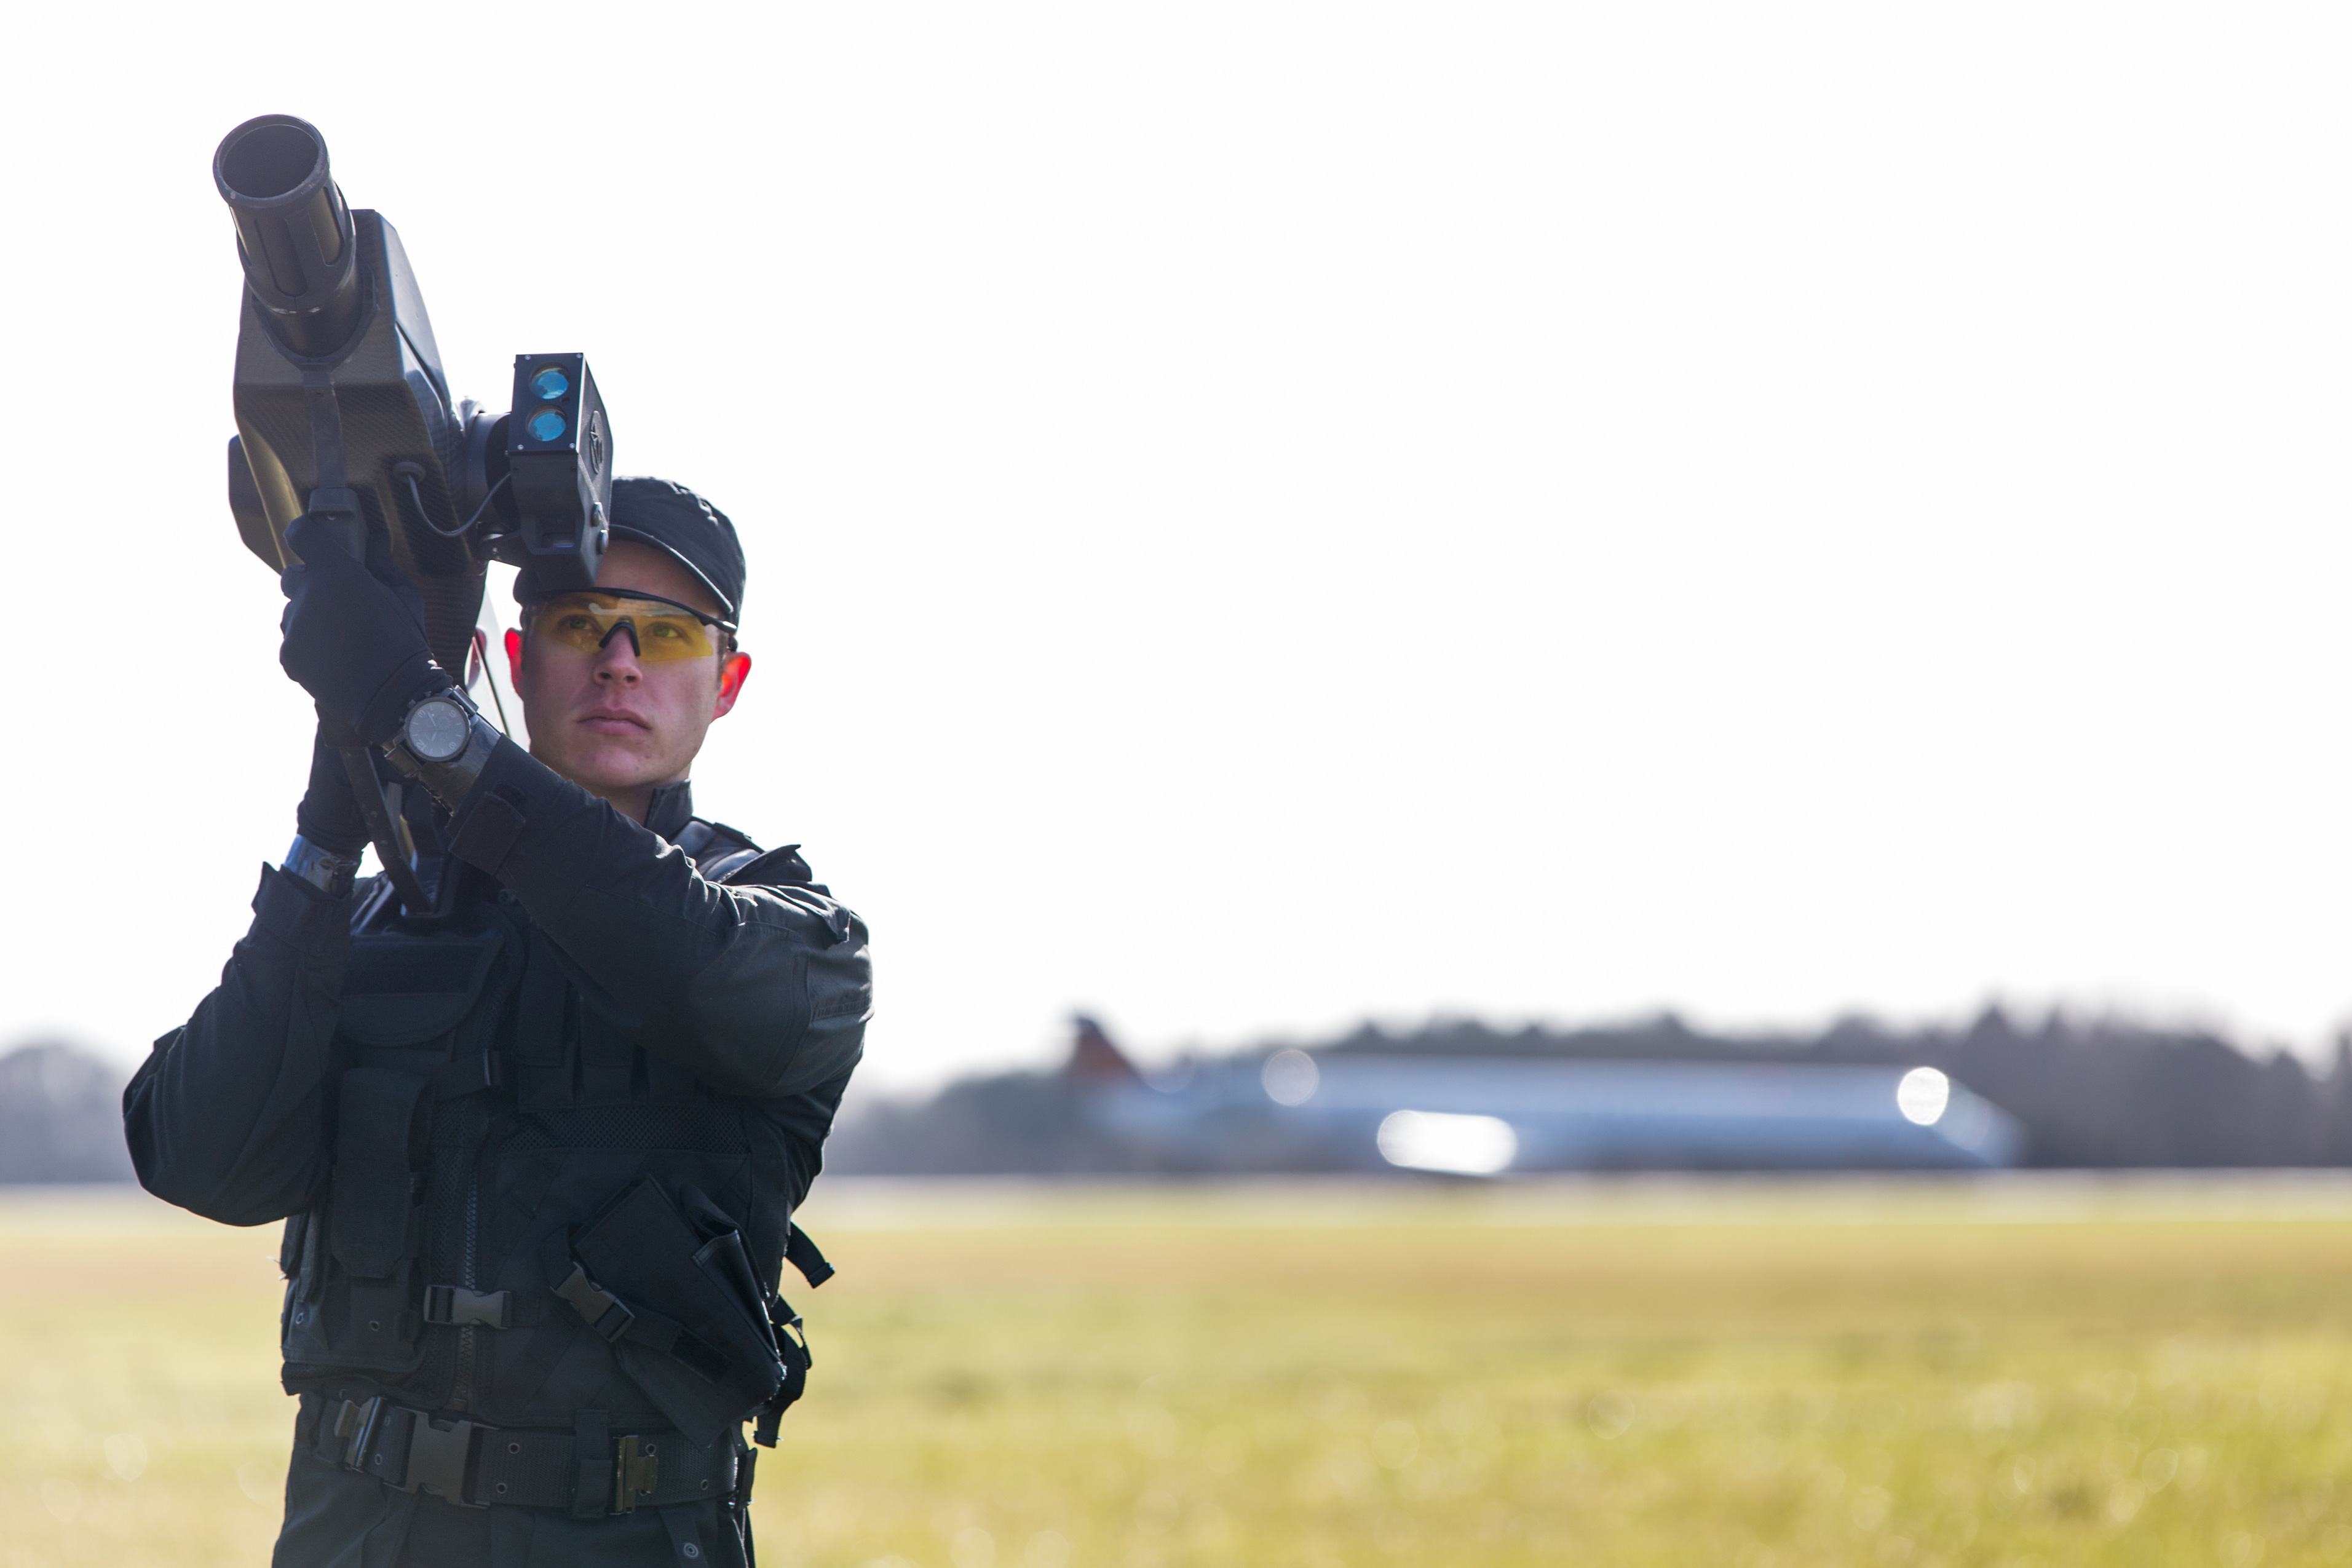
(354, 641)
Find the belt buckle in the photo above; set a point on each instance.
(355, 1424)
(635, 1474)
(436, 1459)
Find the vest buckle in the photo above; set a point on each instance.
(603, 1311)
(455, 1304)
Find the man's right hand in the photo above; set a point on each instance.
(354, 633)
(329, 816)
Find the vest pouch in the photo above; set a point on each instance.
(375, 1223)
(415, 1004)
(682, 1328)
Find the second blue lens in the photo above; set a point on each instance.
(550, 383)
(545, 426)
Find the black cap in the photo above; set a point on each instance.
(681, 525)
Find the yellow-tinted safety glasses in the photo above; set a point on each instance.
(659, 629)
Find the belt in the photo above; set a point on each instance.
(474, 1466)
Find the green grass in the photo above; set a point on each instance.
(1884, 1375)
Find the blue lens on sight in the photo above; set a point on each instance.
(545, 426)
(550, 383)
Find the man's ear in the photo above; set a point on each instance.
(514, 658)
(731, 677)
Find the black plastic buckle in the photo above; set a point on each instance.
(355, 1424)
(602, 1308)
(455, 1304)
(437, 1457)
(635, 1474)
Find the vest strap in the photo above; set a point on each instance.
(611, 1321)
(592, 1464)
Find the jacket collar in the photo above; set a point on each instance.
(671, 809)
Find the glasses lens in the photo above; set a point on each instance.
(587, 621)
(667, 634)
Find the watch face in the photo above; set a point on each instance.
(438, 731)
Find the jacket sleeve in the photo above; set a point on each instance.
(760, 991)
(228, 1115)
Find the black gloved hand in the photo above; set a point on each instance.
(353, 639)
(329, 816)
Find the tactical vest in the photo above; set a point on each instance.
(535, 1228)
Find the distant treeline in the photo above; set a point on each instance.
(60, 1116)
(2090, 1093)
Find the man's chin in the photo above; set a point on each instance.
(605, 770)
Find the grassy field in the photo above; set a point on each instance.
(1768, 1375)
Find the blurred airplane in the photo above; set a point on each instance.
(1489, 1116)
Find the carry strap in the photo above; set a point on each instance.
(802, 1255)
(792, 1342)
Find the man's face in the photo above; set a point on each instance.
(609, 722)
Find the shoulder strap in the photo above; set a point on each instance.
(777, 868)
(718, 851)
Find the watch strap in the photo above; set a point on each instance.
(324, 869)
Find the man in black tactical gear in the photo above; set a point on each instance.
(538, 1146)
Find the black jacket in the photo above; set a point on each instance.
(537, 1158)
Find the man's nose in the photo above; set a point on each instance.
(616, 661)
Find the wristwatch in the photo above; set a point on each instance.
(444, 743)
(438, 726)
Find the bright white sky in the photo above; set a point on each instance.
(1265, 514)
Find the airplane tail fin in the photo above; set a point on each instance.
(1095, 1062)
